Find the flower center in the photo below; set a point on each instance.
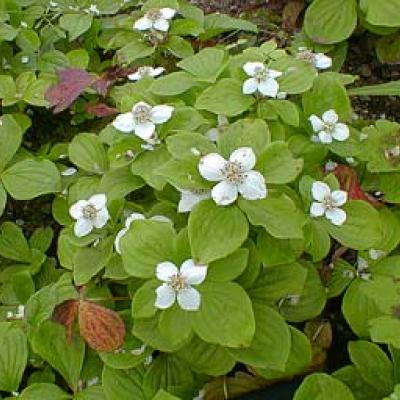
(89, 211)
(306, 55)
(178, 282)
(261, 74)
(144, 71)
(329, 126)
(329, 203)
(153, 14)
(142, 114)
(233, 172)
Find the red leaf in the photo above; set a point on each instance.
(65, 314)
(112, 74)
(101, 110)
(72, 82)
(349, 182)
(103, 329)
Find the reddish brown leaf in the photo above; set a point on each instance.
(101, 110)
(65, 314)
(349, 182)
(103, 329)
(109, 77)
(72, 82)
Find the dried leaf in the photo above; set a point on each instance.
(65, 314)
(108, 78)
(349, 182)
(72, 82)
(101, 110)
(102, 328)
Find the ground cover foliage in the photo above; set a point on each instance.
(190, 217)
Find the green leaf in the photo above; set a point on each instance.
(31, 178)
(229, 268)
(206, 65)
(321, 386)
(172, 84)
(278, 165)
(361, 390)
(37, 391)
(327, 93)
(181, 145)
(270, 346)
(173, 317)
(287, 111)
(134, 50)
(329, 21)
(318, 240)
(67, 358)
(252, 133)
(225, 316)
(119, 182)
(124, 384)
(206, 358)
(183, 174)
(384, 330)
(91, 393)
(3, 199)
(278, 251)
(28, 40)
(373, 364)
(277, 282)
(144, 300)
(89, 261)
(299, 359)
(170, 373)
(179, 47)
(146, 164)
(279, 216)
(217, 23)
(384, 89)
(13, 244)
(225, 98)
(87, 152)
(361, 217)
(145, 245)
(227, 226)
(311, 300)
(366, 300)
(388, 49)
(76, 24)
(13, 356)
(383, 14)
(298, 75)
(151, 4)
(183, 119)
(10, 139)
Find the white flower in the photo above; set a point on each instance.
(328, 128)
(128, 223)
(143, 120)
(157, 19)
(330, 166)
(327, 203)
(178, 285)
(319, 60)
(262, 79)
(69, 171)
(24, 60)
(214, 133)
(23, 24)
(145, 71)
(234, 176)
(89, 214)
(375, 254)
(93, 10)
(189, 198)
